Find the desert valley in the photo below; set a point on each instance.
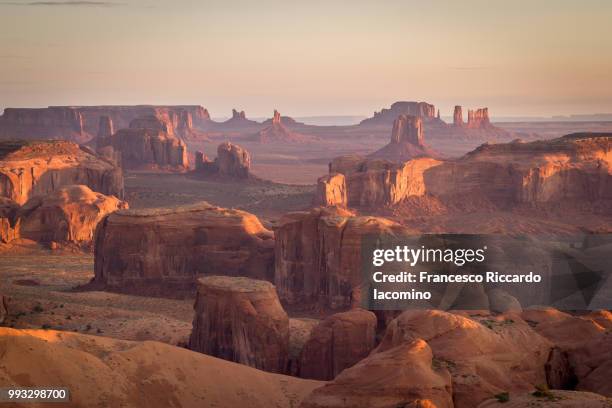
(152, 256)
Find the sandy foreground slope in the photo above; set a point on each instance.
(104, 372)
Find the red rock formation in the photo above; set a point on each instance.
(241, 319)
(478, 118)
(483, 360)
(3, 308)
(458, 116)
(375, 183)
(106, 128)
(238, 115)
(233, 160)
(159, 249)
(9, 221)
(331, 191)
(277, 132)
(422, 110)
(407, 141)
(149, 142)
(38, 168)
(404, 376)
(318, 255)
(338, 342)
(69, 214)
(47, 123)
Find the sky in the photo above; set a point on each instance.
(333, 57)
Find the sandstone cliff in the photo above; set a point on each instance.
(160, 250)
(47, 123)
(458, 116)
(69, 214)
(331, 191)
(148, 143)
(318, 255)
(38, 168)
(232, 161)
(241, 319)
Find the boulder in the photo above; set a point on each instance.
(69, 214)
(485, 357)
(167, 249)
(241, 319)
(331, 191)
(338, 342)
(403, 376)
(38, 168)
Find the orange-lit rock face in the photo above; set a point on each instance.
(408, 129)
(331, 191)
(9, 221)
(241, 319)
(148, 142)
(404, 376)
(38, 168)
(318, 255)
(233, 160)
(167, 248)
(338, 342)
(69, 214)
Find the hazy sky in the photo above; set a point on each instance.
(309, 57)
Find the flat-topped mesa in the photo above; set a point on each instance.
(165, 250)
(407, 129)
(422, 110)
(478, 118)
(148, 142)
(242, 320)
(318, 255)
(63, 123)
(40, 167)
(105, 129)
(458, 116)
(69, 214)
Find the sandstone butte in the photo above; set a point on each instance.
(421, 110)
(241, 319)
(69, 214)
(318, 255)
(232, 161)
(29, 168)
(407, 141)
(168, 249)
(149, 142)
(101, 371)
(571, 169)
(276, 131)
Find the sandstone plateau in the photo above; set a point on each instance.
(163, 250)
(111, 373)
(232, 161)
(38, 168)
(69, 214)
(241, 319)
(149, 142)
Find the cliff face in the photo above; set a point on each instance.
(163, 249)
(47, 123)
(407, 141)
(69, 214)
(149, 142)
(318, 255)
(478, 118)
(374, 183)
(233, 160)
(38, 168)
(331, 191)
(421, 110)
(241, 319)
(458, 116)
